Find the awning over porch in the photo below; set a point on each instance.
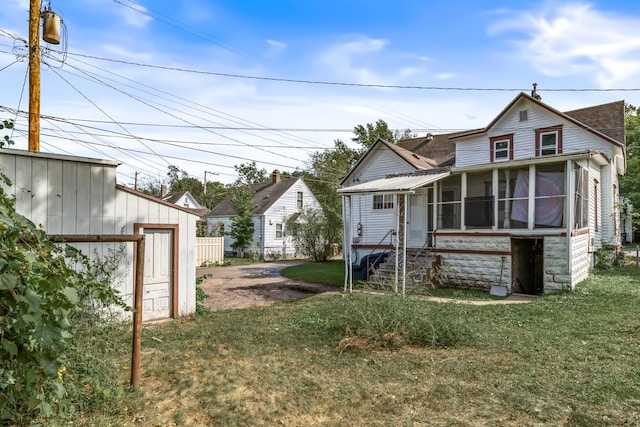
(395, 184)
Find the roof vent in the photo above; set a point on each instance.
(524, 115)
(429, 137)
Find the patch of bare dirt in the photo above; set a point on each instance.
(255, 284)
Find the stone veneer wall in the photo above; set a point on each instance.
(477, 261)
(581, 258)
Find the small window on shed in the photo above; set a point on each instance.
(300, 199)
(278, 230)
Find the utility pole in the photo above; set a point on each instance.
(135, 182)
(205, 179)
(34, 75)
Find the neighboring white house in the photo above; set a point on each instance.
(68, 195)
(181, 198)
(275, 201)
(521, 204)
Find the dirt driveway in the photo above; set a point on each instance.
(255, 284)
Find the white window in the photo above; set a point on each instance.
(278, 230)
(300, 199)
(383, 201)
(549, 141)
(501, 148)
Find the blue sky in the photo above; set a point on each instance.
(188, 106)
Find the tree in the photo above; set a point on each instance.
(313, 233)
(630, 182)
(242, 223)
(248, 173)
(368, 134)
(179, 180)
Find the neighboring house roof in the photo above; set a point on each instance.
(264, 195)
(174, 197)
(439, 148)
(157, 200)
(606, 118)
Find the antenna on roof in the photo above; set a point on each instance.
(534, 93)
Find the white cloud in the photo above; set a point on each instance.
(135, 15)
(445, 76)
(348, 59)
(276, 48)
(565, 40)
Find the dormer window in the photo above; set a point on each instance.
(549, 141)
(501, 148)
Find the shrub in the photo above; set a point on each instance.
(40, 296)
(391, 321)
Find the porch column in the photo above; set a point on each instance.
(463, 195)
(404, 242)
(495, 192)
(570, 215)
(346, 243)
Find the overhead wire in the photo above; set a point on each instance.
(149, 104)
(104, 112)
(207, 109)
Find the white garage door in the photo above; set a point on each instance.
(157, 289)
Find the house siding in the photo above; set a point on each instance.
(375, 223)
(264, 240)
(475, 150)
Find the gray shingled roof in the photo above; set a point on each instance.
(264, 195)
(173, 197)
(606, 118)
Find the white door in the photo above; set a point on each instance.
(157, 289)
(417, 227)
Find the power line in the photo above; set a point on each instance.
(329, 83)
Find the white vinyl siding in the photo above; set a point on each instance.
(73, 195)
(474, 149)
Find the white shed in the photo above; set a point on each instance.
(78, 196)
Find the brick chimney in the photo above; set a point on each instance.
(275, 176)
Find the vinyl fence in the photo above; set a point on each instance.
(209, 250)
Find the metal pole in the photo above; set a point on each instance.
(34, 75)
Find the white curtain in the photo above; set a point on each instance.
(549, 206)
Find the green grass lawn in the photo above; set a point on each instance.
(563, 360)
(329, 273)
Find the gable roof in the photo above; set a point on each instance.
(440, 148)
(416, 160)
(157, 200)
(606, 118)
(598, 118)
(264, 195)
(173, 197)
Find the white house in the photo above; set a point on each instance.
(181, 198)
(520, 205)
(275, 201)
(68, 195)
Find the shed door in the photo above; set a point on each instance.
(157, 289)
